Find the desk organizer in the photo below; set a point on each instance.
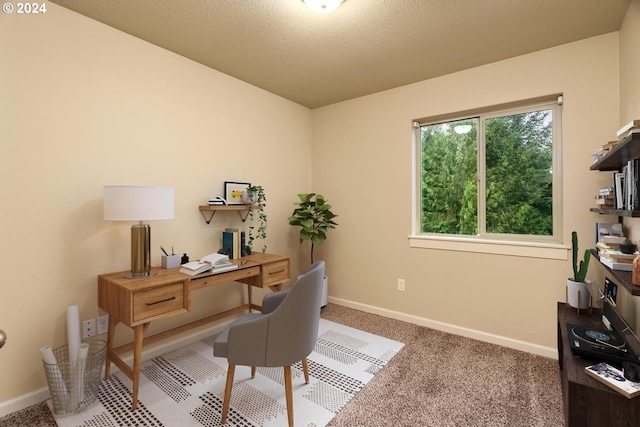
(170, 261)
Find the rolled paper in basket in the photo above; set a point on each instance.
(57, 387)
(73, 332)
(77, 384)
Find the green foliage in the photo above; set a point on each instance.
(518, 176)
(261, 231)
(314, 217)
(579, 272)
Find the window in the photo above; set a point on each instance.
(492, 174)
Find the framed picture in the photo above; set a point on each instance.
(233, 191)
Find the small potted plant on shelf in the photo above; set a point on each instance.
(577, 286)
(255, 198)
(314, 217)
(628, 247)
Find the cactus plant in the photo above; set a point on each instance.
(579, 271)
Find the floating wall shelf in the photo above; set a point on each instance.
(213, 209)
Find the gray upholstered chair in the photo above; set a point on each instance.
(285, 332)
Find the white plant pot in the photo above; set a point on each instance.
(578, 295)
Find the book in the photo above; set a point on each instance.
(605, 231)
(622, 266)
(227, 267)
(195, 267)
(210, 262)
(613, 378)
(231, 243)
(618, 179)
(625, 130)
(235, 253)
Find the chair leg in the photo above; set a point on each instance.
(288, 393)
(305, 369)
(227, 393)
(253, 372)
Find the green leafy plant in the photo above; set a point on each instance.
(314, 217)
(579, 271)
(259, 232)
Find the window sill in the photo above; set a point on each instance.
(496, 247)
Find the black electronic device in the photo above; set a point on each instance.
(618, 346)
(597, 344)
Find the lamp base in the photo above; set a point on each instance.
(139, 275)
(140, 252)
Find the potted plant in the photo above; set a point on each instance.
(628, 247)
(577, 292)
(314, 217)
(255, 198)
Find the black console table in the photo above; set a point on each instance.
(586, 401)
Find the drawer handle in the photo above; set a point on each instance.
(277, 272)
(161, 301)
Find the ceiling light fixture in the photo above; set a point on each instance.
(323, 6)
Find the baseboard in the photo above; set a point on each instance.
(549, 352)
(148, 352)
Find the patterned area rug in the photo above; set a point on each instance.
(186, 387)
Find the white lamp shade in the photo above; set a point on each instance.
(323, 6)
(138, 203)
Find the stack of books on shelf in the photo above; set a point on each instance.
(605, 198)
(610, 255)
(626, 130)
(631, 186)
(604, 150)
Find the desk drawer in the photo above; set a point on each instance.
(275, 272)
(158, 301)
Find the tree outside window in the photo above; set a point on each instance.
(490, 174)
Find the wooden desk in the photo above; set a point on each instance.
(137, 302)
(586, 401)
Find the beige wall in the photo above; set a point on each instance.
(630, 65)
(362, 161)
(82, 106)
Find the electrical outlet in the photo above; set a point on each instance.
(103, 324)
(401, 285)
(89, 328)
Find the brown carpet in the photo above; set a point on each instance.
(437, 379)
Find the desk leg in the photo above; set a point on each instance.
(138, 337)
(249, 294)
(110, 334)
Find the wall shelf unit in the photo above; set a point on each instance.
(241, 209)
(622, 278)
(617, 212)
(614, 160)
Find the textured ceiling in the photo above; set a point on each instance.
(363, 47)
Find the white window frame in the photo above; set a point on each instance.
(551, 247)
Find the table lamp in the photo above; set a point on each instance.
(139, 203)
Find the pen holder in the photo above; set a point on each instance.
(170, 261)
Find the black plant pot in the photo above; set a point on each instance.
(628, 249)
